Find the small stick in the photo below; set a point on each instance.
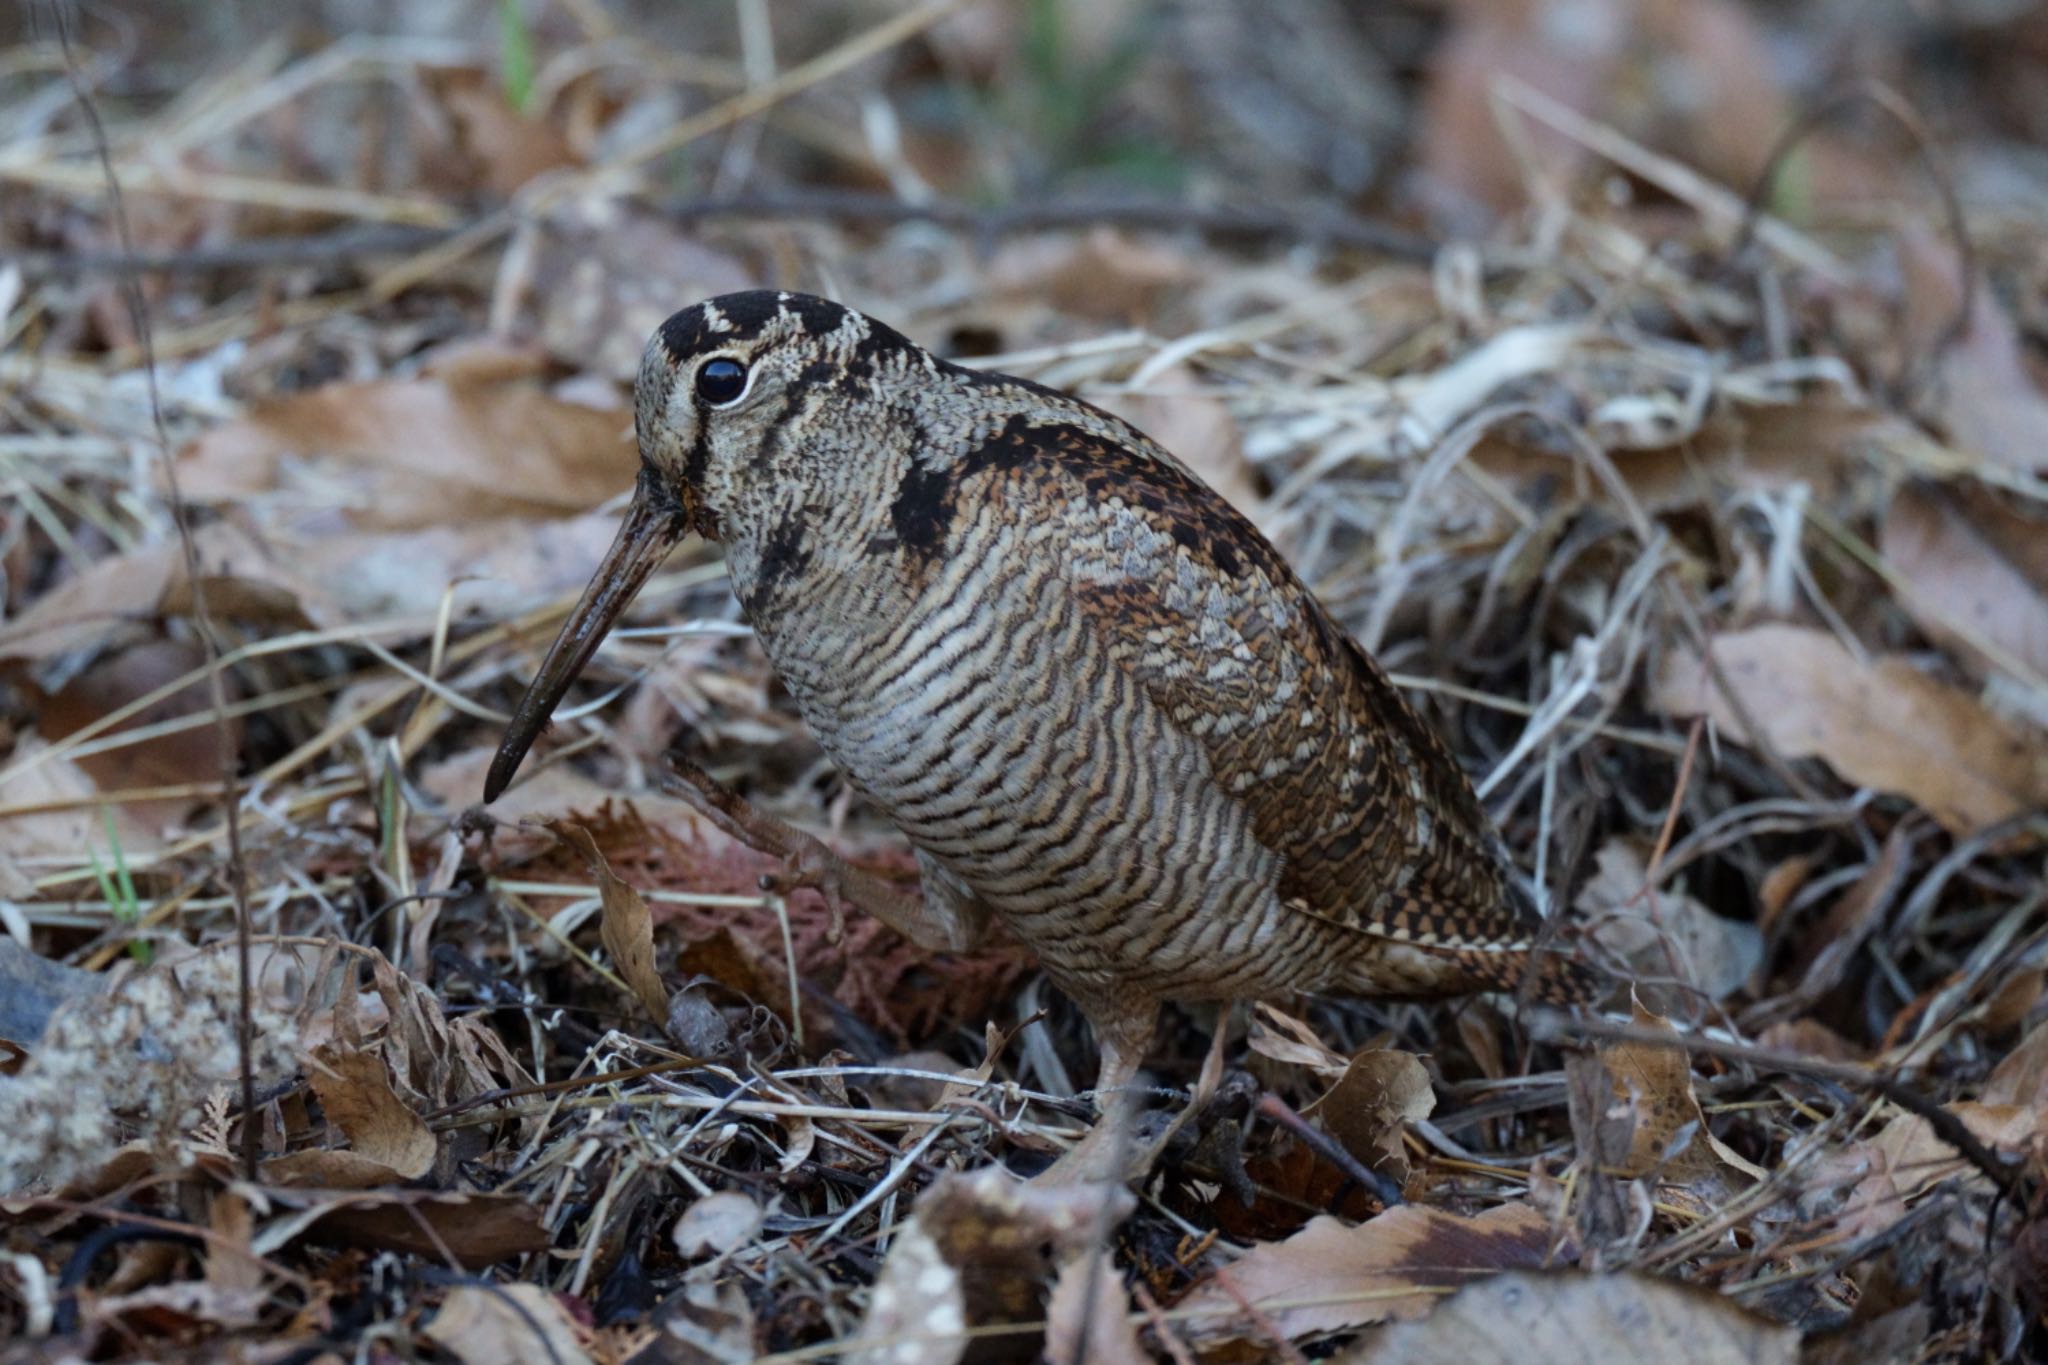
(1277, 1109)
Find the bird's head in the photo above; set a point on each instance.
(726, 388)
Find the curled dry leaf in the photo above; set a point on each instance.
(356, 1092)
(1880, 723)
(1664, 933)
(1652, 1087)
(626, 928)
(1379, 1094)
(417, 453)
(1330, 1276)
(1284, 1038)
(1566, 1318)
(978, 1251)
(519, 1324)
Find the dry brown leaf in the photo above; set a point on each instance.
(976, 1252)
(477, 1229)
(1880, 724)
(1284, 1038)
(1105, 274)
(515, 1323)
(1988, 399)
(508, 147)
(712, 1322)
(356, 1092)
(417, 453)
(1087, 1317)
(327, 1168)
(626, 928)
(1974, 567)
(246, 579)
(1666, 933)
(1370, 1106)
(1913, 1160)
(1567, 1318)
(1392, 1266)
(500, 567)
(231, 1266)
(34, 776)
(1669, 1136)
(180, 756)
(2021, 1076)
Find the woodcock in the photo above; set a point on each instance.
(1092, 695)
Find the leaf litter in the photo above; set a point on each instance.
(1717, 568)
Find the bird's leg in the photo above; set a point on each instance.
(807, 862)
(1124, 1030)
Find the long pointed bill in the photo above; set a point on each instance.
(650, 531)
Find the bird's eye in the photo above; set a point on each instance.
(721, 380)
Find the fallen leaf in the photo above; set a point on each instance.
(978, 1251)
(179, 756)
(1104, 273)
(500, 567)
(1087, 1316)
(1880, 724)
(356, 1092)
(477, 1229)
(1670, 1138)
(1974, 567)
(74, 825)
(1567, 1318)
(717, 1223)
(518, 1323)
(1370, 1106)
(327, 1168)
(713, 1319)
(416, 453)
(1331, 1276)
(2021, 1076)
(1284, 1038)
(1664, 933)
(508, 148)
(125, 591)
(1987, 395)
(626, 928)
(1919, 1160)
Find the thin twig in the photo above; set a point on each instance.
(226, 750)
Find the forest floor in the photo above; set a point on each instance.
(1694, 492)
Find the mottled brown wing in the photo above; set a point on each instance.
(1378, 826)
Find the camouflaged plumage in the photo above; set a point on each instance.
(1090, 692)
